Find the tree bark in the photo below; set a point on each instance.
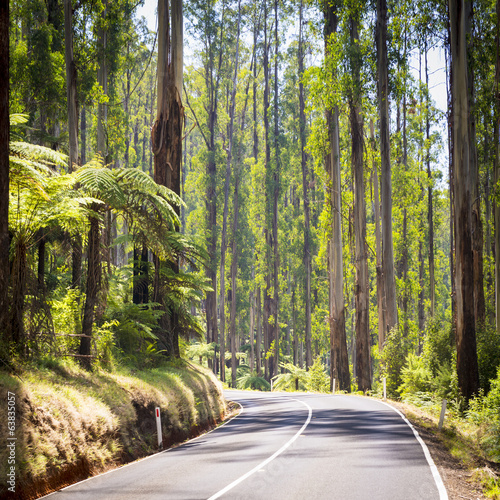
(305, 182)
(71, 86)
(385, 154)
(477, 225)
(102, 80)
(339, 364)
(92, 290)
(467, 366)
(227, 181)
(361, 287)
(234, 270)
(166, 136)
(382, 328)
(4, 170)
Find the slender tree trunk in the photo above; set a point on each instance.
(276, 187)
(71, 85)
(222, 280)
(102, 80)
(430, 206)
(305, 182)
(382, 328)
(385, 153)
(267, 231)
(234, 269)
(258, 341)
(467, 367)
(361, 286)
(92, 291)
(83, 135)
(4, 171)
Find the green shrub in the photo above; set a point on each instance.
(317, 379)
(392, 361)
(488, 354)
(485, 411)
(415, 376)
(439, 346)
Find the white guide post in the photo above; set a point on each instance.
(441, 417)
(333, 391)
(385, 388)
(158, 428)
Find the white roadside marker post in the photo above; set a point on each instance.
(158, 428)
(441, 417)
(333, 386)
(385, 388)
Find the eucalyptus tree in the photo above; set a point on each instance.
(362, 297)
(166, 135)
(467, 367)
(338, 342)
(391, 312)
(71, 88)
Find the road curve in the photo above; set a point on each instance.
(283, 446)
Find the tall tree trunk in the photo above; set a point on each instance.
(234, 269)
(385, 154)
(258, 333)
(166, 136)
(339, 364)
(305, 182)
(382, 328)
(92, 291)
(467, 366)
(71, 85)
(477, 224)
(83, 135)
(223, 246)
(362, 294)
(102, 80)
(430, 207)
(4, 170)
(267, 231)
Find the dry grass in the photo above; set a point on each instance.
(71, 424)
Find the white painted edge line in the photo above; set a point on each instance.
(443, 495)
(148, 457)
(270, 459)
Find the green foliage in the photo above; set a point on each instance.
(253, 381)
(200, 350)
(488, 354)
(485, 412)
(415, 376)
(392, 361)
(292, 379)
(438, 346)
(317, 378)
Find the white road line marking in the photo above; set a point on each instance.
(443, 495)
(270, 459)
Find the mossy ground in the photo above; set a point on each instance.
(70, 423)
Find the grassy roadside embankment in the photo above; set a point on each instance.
(457, 449)
(60, 424)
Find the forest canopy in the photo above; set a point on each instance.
(266, 187)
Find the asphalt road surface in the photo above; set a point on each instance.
(284, 447)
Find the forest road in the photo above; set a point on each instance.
(283, 446)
